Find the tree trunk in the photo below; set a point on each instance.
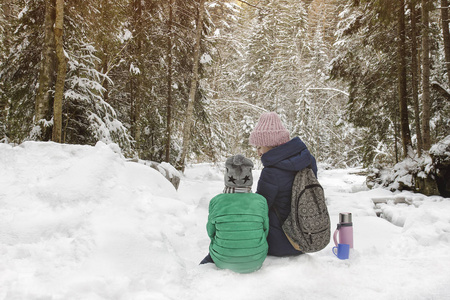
(403, 101)
(396, 136)
(190, 106)
(137, 6)
(426, 106)
(5, 103)
(47, 69)
(105, 83)
(137, 118)
(6, 7)
(169, 82)
(446, 35)
(132, 106)
(105, 49)
(61, 77)
(414, 75)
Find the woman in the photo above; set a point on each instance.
(282, 158)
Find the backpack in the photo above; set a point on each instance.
(307, 227)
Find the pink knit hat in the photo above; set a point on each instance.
(269, 131)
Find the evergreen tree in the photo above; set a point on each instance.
(22, 73)
(226, 106)
(273, 63)
(20, 67)
(401, 78)
(130, 70)
(446, 35)
(58, 29)
(6, 12)
(367, 61)
(283, 68)
(415, 74)
(368, 70)
(426, 65)
(87, 117)
(320, 108)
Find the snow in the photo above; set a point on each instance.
(441, 148)
(82, 222)
(205, 58)
(125, 36)
(134, 69)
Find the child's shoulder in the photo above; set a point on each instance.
(237, 197)
(238, 204)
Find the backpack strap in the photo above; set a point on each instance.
(273, 206)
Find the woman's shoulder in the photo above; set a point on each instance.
(283, 152)
(270, 173)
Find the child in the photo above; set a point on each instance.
(238, 221)
(282, 158)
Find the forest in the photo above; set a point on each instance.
(361, 82)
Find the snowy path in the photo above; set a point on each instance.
(79, 222)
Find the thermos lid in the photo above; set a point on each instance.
(345, 217)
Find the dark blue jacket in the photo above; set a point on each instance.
(275, 184)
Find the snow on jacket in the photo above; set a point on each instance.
(275, 184)
(238, 225)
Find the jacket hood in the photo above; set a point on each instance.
(291, 156)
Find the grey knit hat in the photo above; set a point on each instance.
(238, 171)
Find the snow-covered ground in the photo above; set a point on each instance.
(80, 222)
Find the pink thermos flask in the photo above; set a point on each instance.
(345, 229)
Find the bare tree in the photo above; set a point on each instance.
(137, 77)
(415, 74)
(5, 36)
(61, 77)
(401, 53)
(446, 35)
(104, 53)
(43, 96)
(169, 80)
(193, 90)
(426, 106)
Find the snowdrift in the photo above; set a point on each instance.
(80, 222)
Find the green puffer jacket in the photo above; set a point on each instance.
(238, 225)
